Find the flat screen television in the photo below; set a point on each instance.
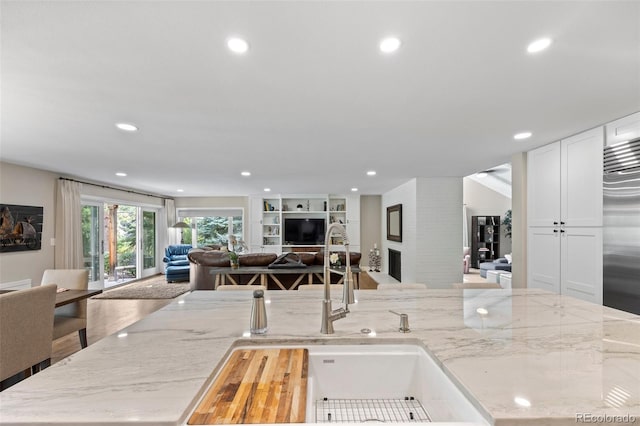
(304, 231)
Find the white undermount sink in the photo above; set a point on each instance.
(382, 382)
(379, 382)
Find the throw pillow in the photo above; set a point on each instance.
(508, 257)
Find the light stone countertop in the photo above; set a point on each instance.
(564, 356)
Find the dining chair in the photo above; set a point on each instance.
(71, 317)
(26, 330)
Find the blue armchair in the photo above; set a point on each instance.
(177, 263)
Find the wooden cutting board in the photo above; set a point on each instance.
(257, 386)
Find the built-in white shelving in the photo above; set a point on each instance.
(268, 215)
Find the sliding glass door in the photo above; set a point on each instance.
(148, 243)
(119, 242)
(93, 242)
(123, 261)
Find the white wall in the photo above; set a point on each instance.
(431, 230)
(439, 231)
(370, 230)
(482, 201)
(519, 223)
(32, 187)
(404, 194)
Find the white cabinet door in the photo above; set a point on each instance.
(353, 221)
(565, 216)
(543, 185)
(255, 223)
(566, 261)
(353, 208)
(582, 263)
(543, 257)
(625, 129)
(581, 179)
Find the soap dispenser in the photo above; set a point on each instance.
(258, 323)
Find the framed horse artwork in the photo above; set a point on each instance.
(20, 228)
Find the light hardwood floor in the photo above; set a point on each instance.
(105, 317)
(474, 276)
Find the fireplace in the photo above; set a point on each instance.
(395, 264)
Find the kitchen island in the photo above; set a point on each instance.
(523, 357)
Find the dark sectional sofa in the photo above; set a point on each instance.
(204, 259)
(500, 264)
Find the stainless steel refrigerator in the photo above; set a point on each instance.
(621, 283)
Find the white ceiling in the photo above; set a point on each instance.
(313, 105)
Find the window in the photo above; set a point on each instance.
(211, 226)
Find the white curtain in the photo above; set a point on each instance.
(172, 233)
(68, 251)
(465, 227)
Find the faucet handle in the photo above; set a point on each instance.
(404, 322)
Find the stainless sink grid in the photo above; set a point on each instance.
(408, 409)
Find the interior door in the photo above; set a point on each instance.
(148, 258)
(93, 242)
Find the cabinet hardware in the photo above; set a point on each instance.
(555, 223)
(561, 223)
(555, 230)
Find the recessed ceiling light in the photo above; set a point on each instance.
(179, 190)
(127, 127)
(482, 311)
(237, 45)
(246, 173)
(371, 173)
(121, 174)
(522, 135)
(267, 189)
(523, 402)
(354, 189)
(481, 174)
(389, 44)
(539, 45)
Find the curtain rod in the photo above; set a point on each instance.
(130, 191)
